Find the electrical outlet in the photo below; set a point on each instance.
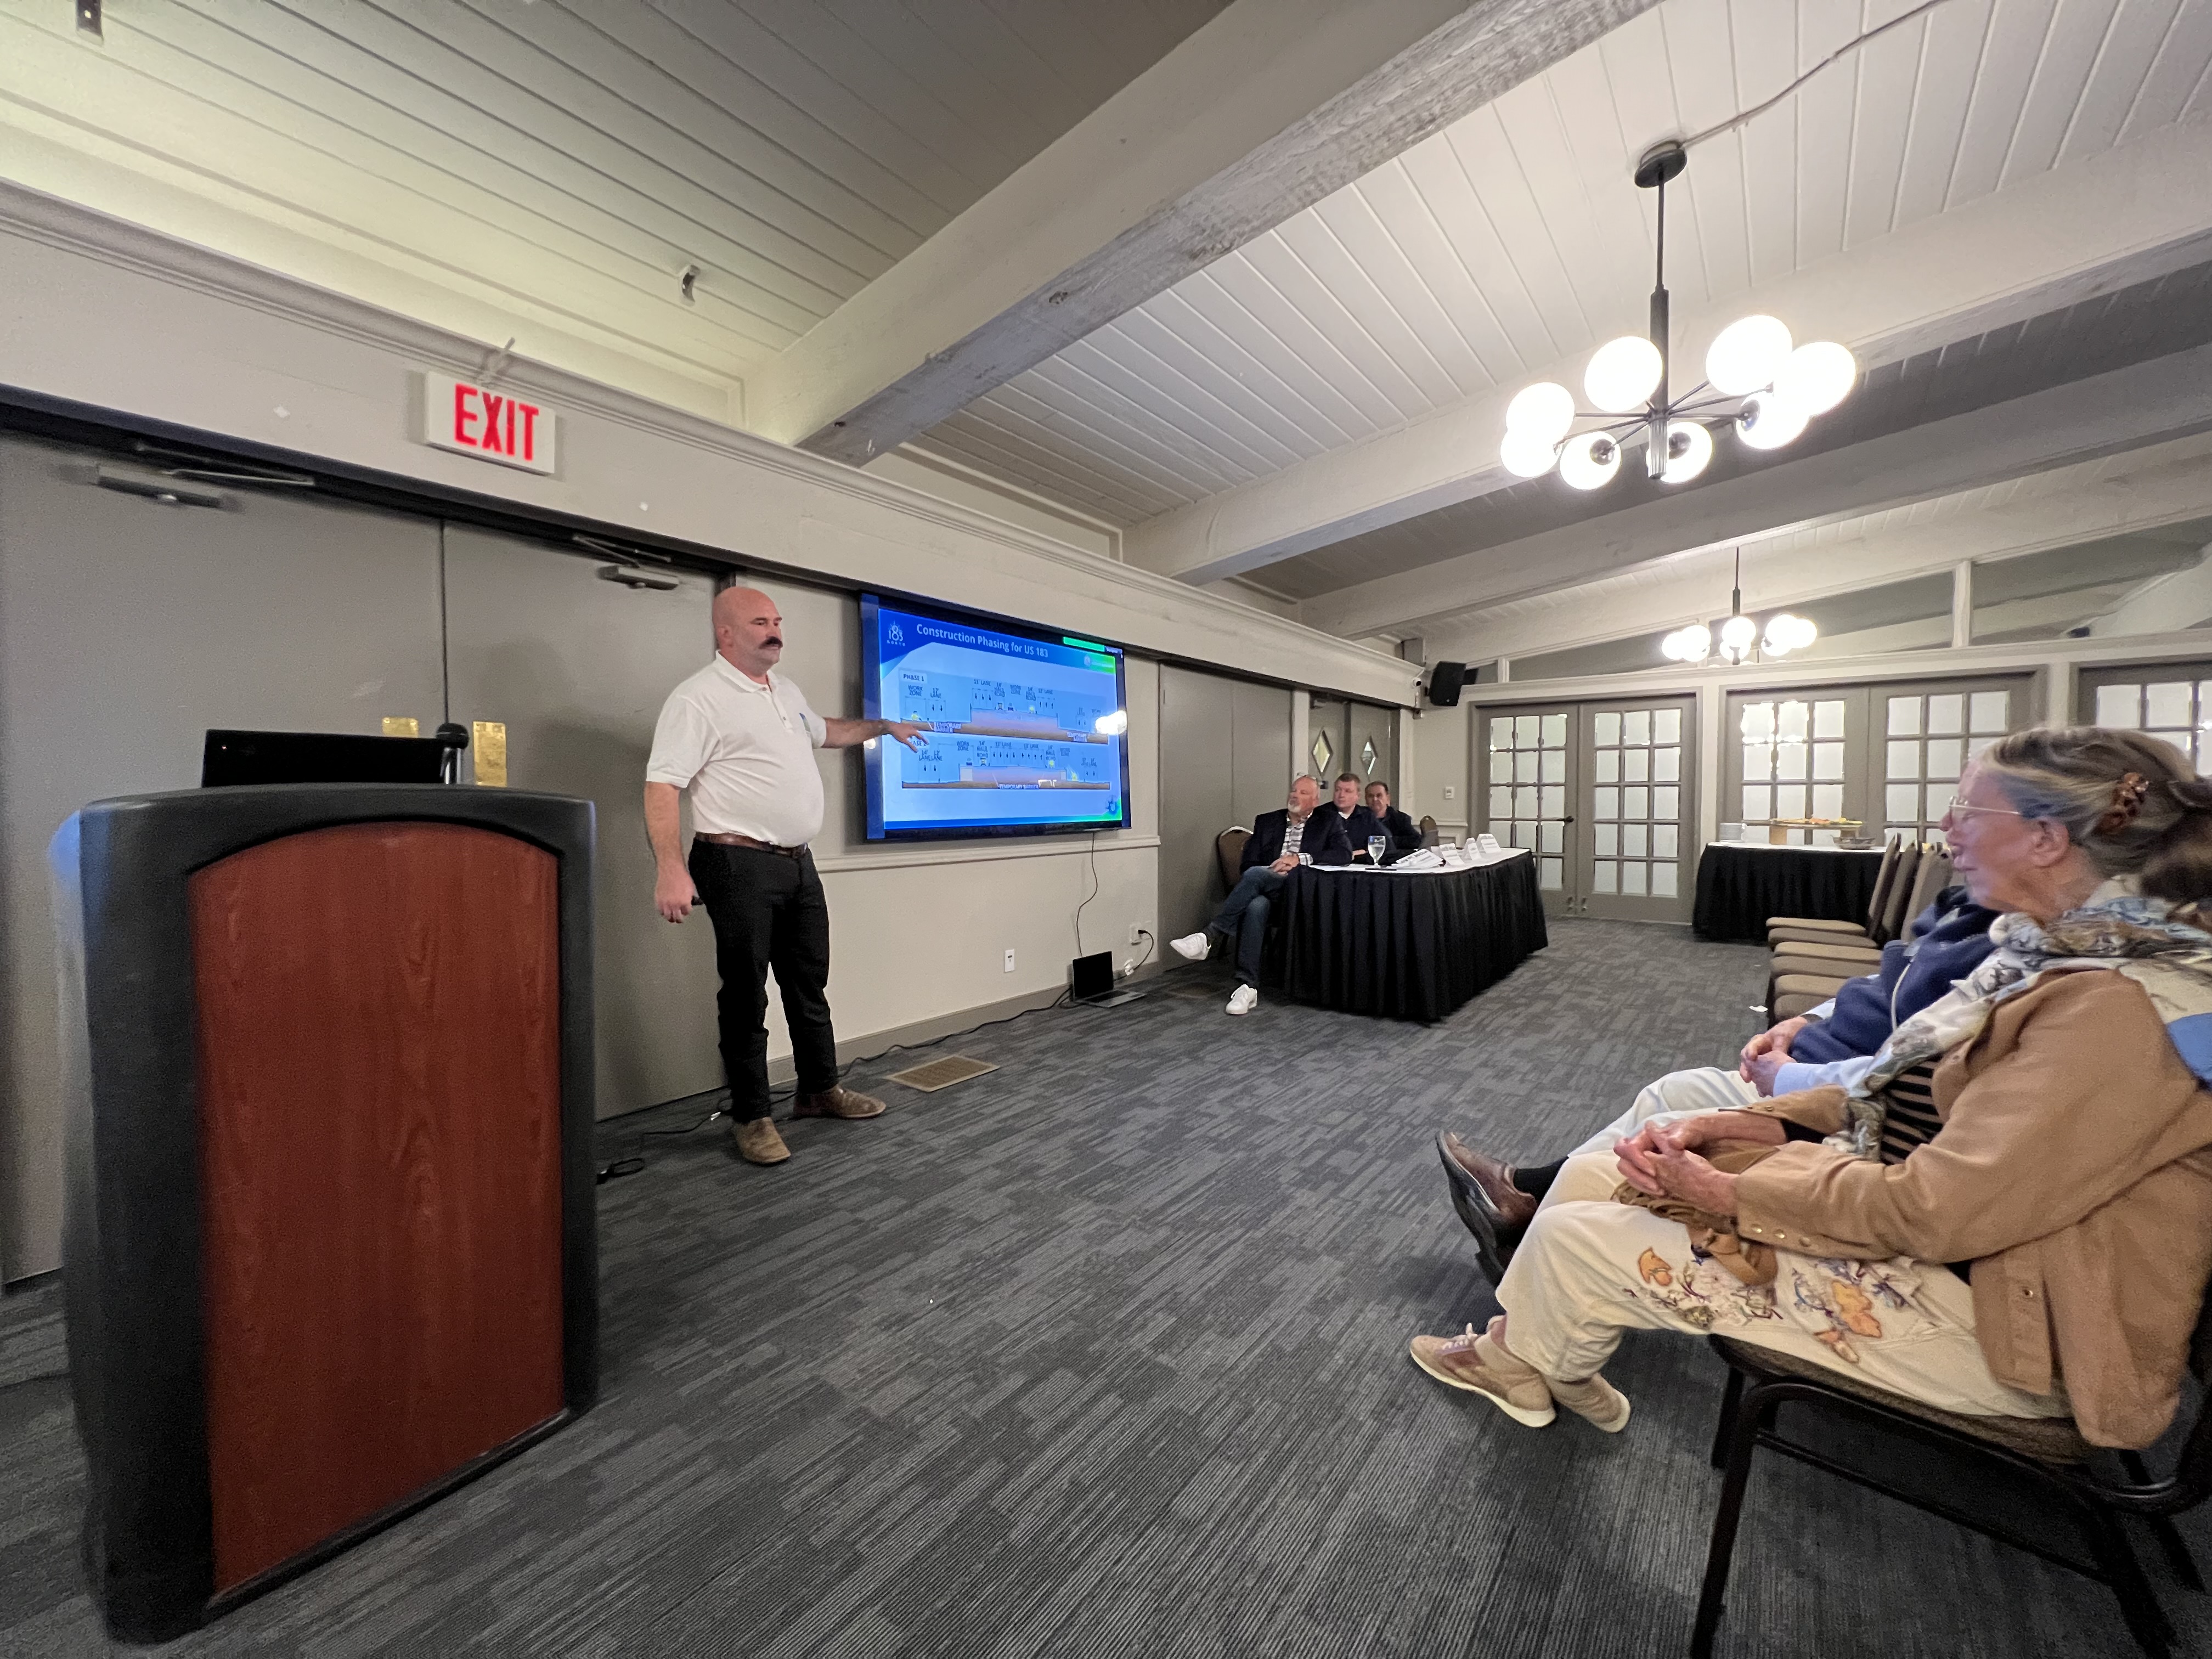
(1451, 794)
(1136, 934)
(1010, 962)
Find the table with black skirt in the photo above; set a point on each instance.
(1410, 945)
(1742, 883)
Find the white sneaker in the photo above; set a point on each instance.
(1243, 999)
(1192, 947)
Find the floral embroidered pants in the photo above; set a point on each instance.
(1590, 1269)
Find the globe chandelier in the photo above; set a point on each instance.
(1757, 380)
(1738, 635)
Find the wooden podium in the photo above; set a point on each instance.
(328, 1237)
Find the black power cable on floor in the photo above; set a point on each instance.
(635, 1162)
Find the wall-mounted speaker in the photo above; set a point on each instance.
(1445, 679)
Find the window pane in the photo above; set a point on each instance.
(1757, 721)
(1947, 712)
(1666, 841)
(1609, 804)
(1636, 765)
(1607, 729)
(1501, 769)
(1606, 877)
(1524, 767)
(1552, 874)
(1636, 727)
(1789, 761)
(1903, 759)
(1524, 801)
(1634, 841)
(1944, 755)
(1608, 840)
(1555, 766)
(1501, 733)
(1989, 711)
(1828, 800)
(1551, 837)
(1501, 804)
(1631, 878)
(1555, 731)
(1635, 803)
(1757, 804)
(2119, 705)
(1975, 746)
(1520, 837)
(1790, 721)
(1790, 801)
(1828, 762)
(1902, 803)
(1608, 766)
(1555, 800)
(1903, 717)
(1662, 881)
(1758, 763)
(1524, 730)
(1667, 726)
(1663, 804)
(2167, 704)
(1828, 719)
(1667, 765)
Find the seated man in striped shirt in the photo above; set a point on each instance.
(1278, 843)
(1835, 1043)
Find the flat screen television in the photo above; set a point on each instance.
(1027, 727)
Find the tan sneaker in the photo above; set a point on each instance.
(758, 1141)
(1595, 1400)
(836, 1103)
(1472, 1361)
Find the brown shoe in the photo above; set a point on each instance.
(836, 1103)
(1493, 1209)
(1475, 1362)
(757, 1140)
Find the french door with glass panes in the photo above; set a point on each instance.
(1601, 793)
(2168, 700)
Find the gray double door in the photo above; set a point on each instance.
(1602, 794)
(1224, 759)
(127, 628)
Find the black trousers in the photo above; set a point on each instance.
(769, 911)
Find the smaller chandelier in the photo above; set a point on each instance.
(1757, 379)
(1739, 633)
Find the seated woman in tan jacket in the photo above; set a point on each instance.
(2011, 1215)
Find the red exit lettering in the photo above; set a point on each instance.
(493, 424)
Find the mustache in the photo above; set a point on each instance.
(772, 640)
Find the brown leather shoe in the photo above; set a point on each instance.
(837, 1102)
(1493, 1209)
(758, 1141)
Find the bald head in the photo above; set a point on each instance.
(748, 630)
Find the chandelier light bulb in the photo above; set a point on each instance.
(1817, 377)
(1543, 411)
(1737, 635)
(1795, 632)
(1748, 355)
(1526, 456)
(1689, 447)
(1692, 644)
(1623, 373)
(1768, 420)
(1589, 461)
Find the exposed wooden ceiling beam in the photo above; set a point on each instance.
(1266, 109)
(2120, 218)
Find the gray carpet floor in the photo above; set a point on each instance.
(1103, 1354)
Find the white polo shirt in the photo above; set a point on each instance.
(744, 753)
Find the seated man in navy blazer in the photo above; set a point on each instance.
(1405, 834)
(1279, 841)
(1345, 807)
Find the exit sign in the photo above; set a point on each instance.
(492, 426)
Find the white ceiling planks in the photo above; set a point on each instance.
(1514, 237)
(565, 160)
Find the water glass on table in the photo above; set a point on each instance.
(1376, 846)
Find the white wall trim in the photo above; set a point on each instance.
(907, 856)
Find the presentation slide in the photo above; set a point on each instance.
(1026, 730)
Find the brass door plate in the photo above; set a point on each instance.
(488, 743)
(401, 726)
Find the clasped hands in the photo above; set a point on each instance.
(1662, 1159)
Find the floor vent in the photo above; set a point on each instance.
(942, 1073)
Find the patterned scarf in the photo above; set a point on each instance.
(2116, 929)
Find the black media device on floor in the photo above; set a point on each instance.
(1090, 979)
(234, 757)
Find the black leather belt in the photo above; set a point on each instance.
(722, 840)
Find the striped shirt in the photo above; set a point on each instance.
(1909, 1121)
(1294, 833)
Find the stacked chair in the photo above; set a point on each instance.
(1814, 957)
